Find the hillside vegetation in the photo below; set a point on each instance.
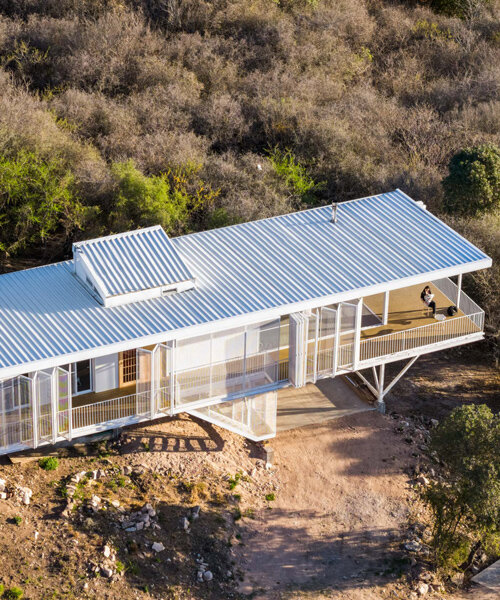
(201, 113)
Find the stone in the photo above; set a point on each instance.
(115, 503)
(3, 495)
(185, 523)
(422, 589)
(434, 422)
(208, 576)
(423, 480)
(139, 526)
(3, 485)
(152, 512)
(131, 529)
(95, 500)
(106, 551)
(26, 494)
(413, 546)
(158, 547)
(106, 572)
(195, 513)
(127, 470)
(37, 533)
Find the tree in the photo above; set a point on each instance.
(37, 199)
(466, 503)
(473, 184)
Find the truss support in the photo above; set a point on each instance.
(378, 389)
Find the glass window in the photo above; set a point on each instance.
(82, 376)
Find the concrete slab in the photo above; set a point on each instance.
(489, 578)
(327, 399)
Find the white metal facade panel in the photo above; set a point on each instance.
(248, 272)
(106, 372)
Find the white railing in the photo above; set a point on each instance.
(450, 289)
(20, 432)
(425, 335)
(111, 410)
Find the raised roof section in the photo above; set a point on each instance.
(130, 267)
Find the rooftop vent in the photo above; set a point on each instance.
(334, 212)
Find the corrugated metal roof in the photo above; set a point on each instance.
(134, 261)
(242, 269)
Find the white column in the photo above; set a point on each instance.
(357, 333)
(54, 400)
(336, 344)
(173, 349)
(385, 314)
(459, 290)
(34, 409)
(380, 397)
(152, 408)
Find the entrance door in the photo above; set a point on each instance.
(127, 368)
(345, 357)
(144, 381)
(163, 377)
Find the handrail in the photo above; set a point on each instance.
(424, 335)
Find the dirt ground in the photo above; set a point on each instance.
(339, 516)
(328, 520)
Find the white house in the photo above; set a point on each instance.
(138, 326)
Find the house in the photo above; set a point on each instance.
(137, 325)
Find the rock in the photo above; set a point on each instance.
(131, 529)
(127, 470)
(423, 480)
(158, 547)
(139, 526)
(185, 523)
(195, 513)
(208, 576)
(95, 500)
(458, 579)
(434, 422)
(115, 503)
(422, 589)
(106, 572)
(106, 551)
(3, 485)
(37, 533)
(25, 494)
(3, 495)
(413, 546)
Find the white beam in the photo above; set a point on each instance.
(367, 383)
(375, 376)
(380, 396)
(459, 290)
(385, 314)
(400, 374)
(357, 333)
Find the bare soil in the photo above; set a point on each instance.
(328, 520)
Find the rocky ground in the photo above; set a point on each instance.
(181, 509)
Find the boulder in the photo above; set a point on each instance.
(208, 576)
(106, 551)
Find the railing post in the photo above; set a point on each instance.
(54, 401)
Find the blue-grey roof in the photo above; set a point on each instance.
(134, 261)
(242, 269)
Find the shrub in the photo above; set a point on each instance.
(466, 504)
(14, 593)
(473, 184)
(270, 497)
(48, 463)
(37, 198)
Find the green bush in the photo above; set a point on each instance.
(48, 463)
(466, 504)
(458, 8)
(37, 199)
(473, 184)
(14, 593)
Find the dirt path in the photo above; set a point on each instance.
(337, 516)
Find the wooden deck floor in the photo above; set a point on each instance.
(406, 310)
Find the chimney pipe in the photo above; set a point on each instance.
(334, 212)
